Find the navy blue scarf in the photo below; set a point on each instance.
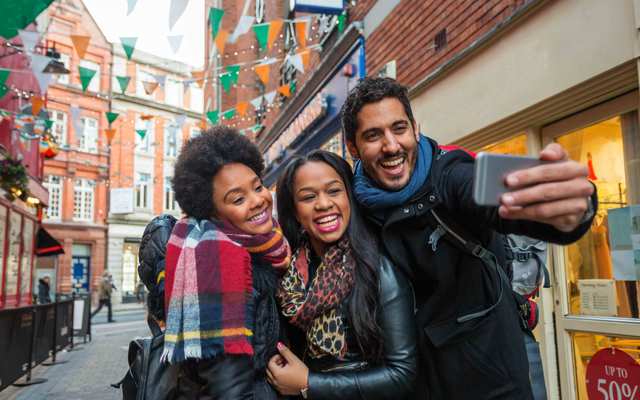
(376, 199)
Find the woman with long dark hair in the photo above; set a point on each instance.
(352, 310)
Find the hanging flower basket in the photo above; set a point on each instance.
(14, 179)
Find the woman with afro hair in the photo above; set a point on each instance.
(223, 260)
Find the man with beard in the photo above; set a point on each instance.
(470, 337)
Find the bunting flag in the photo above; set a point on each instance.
(38, 64)
(198, 77)
(229, 114)
(29, 40)
(262, 34)
(215, 17)
(111, 116)
(234, 70)
(242, 107)
(131, 4)
(123, 81)
(129, 45)
(274, 30)
(80, 43)
(37, 103)
(296, 61)
(175, 41)
(341, 22)
(203, 125)
(269, 97)
(244, 25)
(149, 87)
(304, 56)
(285, 90)
(301, 32)
(263, 72)
(257, 102)
(221, 40)
(213, 117)
(86, 75)
(186, 84)
(49, 123)
(293, 86)
(176, 10)
(161, 79)
(146, 117)
(4, 74)
(225, 80)
(110, 133)
(142, 133)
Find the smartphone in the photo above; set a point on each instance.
(490, 173)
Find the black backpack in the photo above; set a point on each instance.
(148, 377)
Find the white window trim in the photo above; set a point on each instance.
(167, 190)
(62, 140)
(84, 187)
(84, 144)
(53, 188)
(149, 191)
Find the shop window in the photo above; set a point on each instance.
(94, 85)
(335, 145)
(83, 200)
(621, 381)
(129, 265)
(13, 259)
(27, 257)
(3, 240)
(54, 186)
(603, 268)
(143, 190)
(516, 145)
(170, 203)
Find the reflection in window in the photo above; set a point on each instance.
(603, 271)
(516, 145)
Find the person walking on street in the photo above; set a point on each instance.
(420, 197)
(140, 292)
(44, 291)
(105, 288)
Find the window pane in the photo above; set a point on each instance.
(516, 146)
(3, 238)
(27, 254)
(66, 60)
(59, 128)
(54, 186)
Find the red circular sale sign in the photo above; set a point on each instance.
(613, 374)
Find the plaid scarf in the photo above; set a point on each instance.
(317, 309)
(208, 291)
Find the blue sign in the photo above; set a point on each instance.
(318, 6)
(80, 283)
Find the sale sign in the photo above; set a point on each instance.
(613, 374)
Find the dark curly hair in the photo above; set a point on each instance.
(371, 90)
(200, 160)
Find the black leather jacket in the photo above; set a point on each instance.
(394, 379)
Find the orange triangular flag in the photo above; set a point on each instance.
(80, 43)
(263, 72)
(203, 125)
(221, 40)
(301, 33)
(110, 133)
(198, 76)
(150, 87)
(146, 117)
(274, 29)
(241, 108)
(37, 103)
(304, 55)
(285, 90)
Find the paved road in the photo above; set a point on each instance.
(88, 371)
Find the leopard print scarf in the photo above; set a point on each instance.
(317, 309)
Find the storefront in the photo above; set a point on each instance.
(124, 243)
(312, 119)
(532, 86)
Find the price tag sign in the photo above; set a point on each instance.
(613, 374)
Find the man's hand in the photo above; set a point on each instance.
(287, 373)
(556, 194)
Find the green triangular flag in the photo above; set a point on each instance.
(129, 45)
(234, 70)
(123, 81)
(213, 117)
(226, 79)
(341, 20)
(262, 34)
(49, 123)
(142, 133)
(86, 75)
(292, 87)
(3, 78)
(229, 113)
(256, 128)
(215, 16)
(111, 116)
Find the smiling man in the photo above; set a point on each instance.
(470, 336)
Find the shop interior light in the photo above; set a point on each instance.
(32, 201)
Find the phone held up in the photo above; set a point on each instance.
(491, 171)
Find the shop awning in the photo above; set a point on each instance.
(46, 245)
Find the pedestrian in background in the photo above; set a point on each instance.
(105, 288)
(140, 292)
(44, 290)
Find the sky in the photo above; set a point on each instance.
(149, 21)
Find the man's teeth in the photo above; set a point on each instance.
(392, 163)
(257, 217)
(327, 219)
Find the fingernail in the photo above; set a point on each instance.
(512, 180)
(280, 346)
(507, 199)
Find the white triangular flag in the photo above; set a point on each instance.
(161, 79)
(38, 64)
(257, 102)
(243, 27)
(29, 39)
(186, 83)
(270, 97)
(180, 119)
(176, 10)
(78, 126)
(131, 4)
(175, 41)
(296, 61)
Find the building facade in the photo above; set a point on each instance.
(77, 178)
(153, 122)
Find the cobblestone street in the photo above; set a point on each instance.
(89, 371)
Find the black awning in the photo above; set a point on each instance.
(46, 245)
